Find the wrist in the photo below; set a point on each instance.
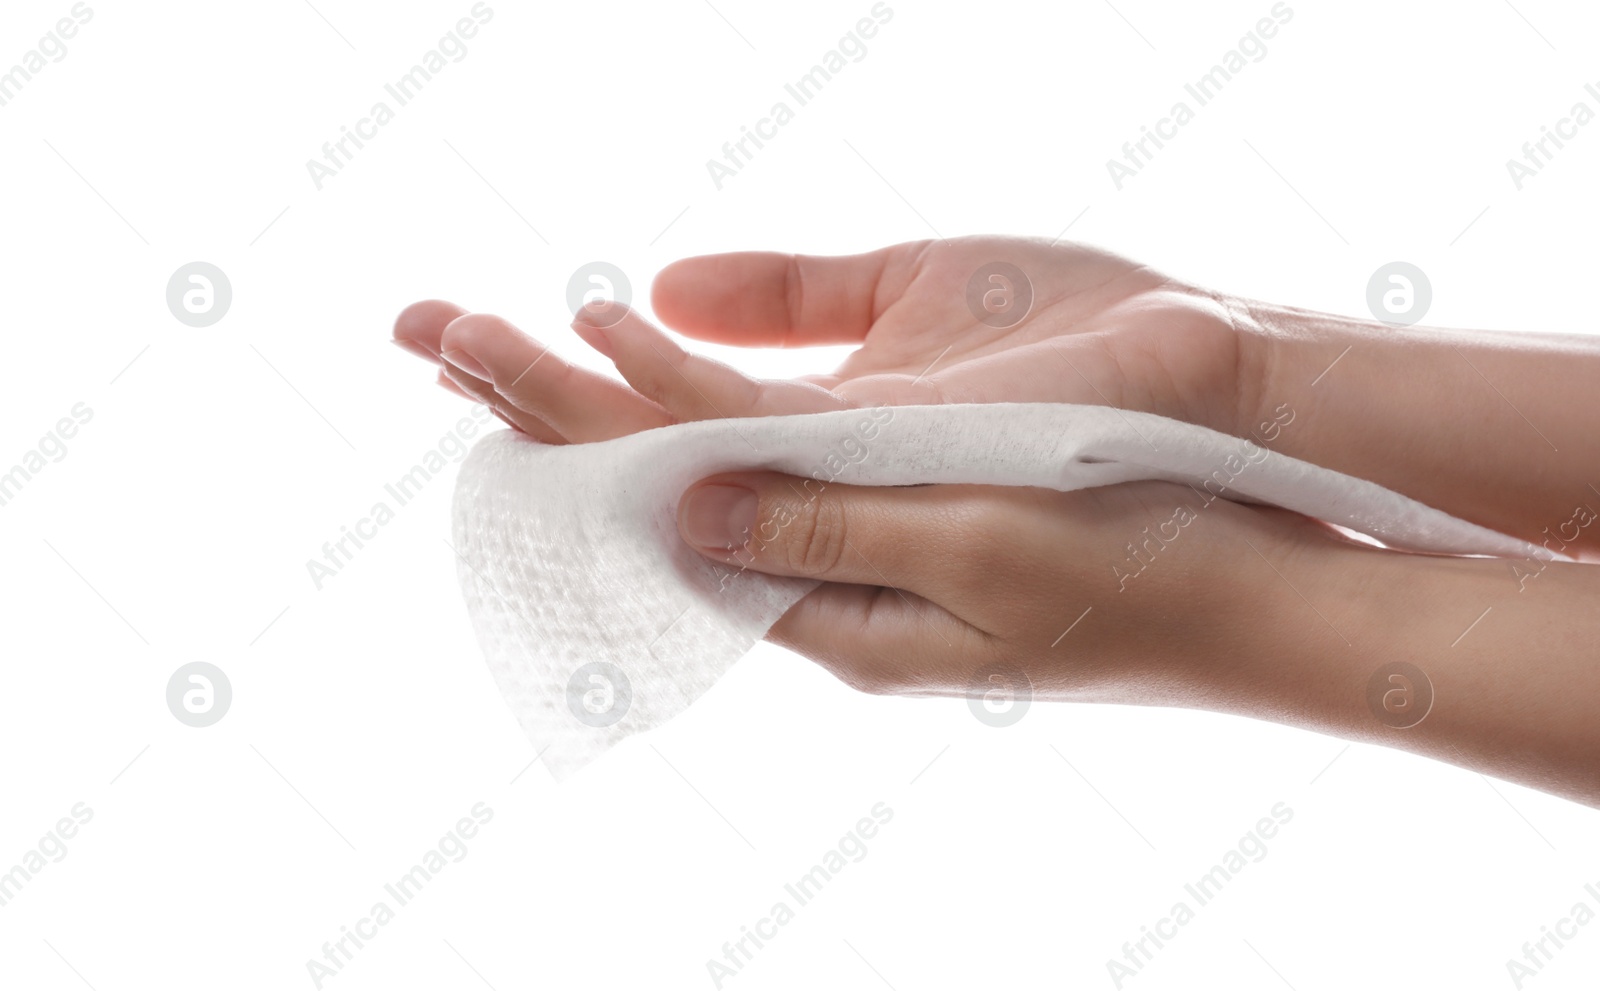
(1271, 351)
(1288, 357)
(1262, 619)
(1483, 426)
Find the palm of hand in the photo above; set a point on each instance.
(1098, 329)
(1079, 326)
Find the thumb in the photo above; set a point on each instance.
(891, 560)
(801, 527)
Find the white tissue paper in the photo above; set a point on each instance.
(598, 622)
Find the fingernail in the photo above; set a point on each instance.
(600, 313)
(719, 518)
(407, 344)
(594, 337)
(466, 363)
(467, 382)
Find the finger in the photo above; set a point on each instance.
(881, 640)
(419, 326)
(479, 391)
(768, 299)
(940, 541)
(578, 404)
(690, 386)
(448, 384)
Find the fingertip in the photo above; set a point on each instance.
(602, 313)
(727, 298)
(413, 347)
(423, 321)
(485, 345)
(775, 299)
(623, 330)
(462, 329)
(595, 337)
(670, 288)
(716, 516)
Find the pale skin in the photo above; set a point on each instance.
(1251, 610)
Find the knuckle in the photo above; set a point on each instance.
(660, 375)
(652, 380)
(793, 294)
(817, 540)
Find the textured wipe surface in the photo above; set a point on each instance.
(571, 555)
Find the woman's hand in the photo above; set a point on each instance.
(1139, 593)
(935, 321)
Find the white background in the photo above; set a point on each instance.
(364, 723)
